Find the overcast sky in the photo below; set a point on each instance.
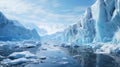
(51, 15)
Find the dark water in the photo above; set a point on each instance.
(87, 58)
(55, 58)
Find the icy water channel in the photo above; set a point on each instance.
(49, 56)
(59, 56)
(55, 57)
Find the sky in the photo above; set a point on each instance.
(51, 15)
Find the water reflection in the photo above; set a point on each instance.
(86, 56)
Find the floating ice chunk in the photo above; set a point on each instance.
(43, 48)
(76, 56)
(64, 58)
(1, 57)
(28, 45)
(107, 48)
(19, 61)
(16, 61)
(5, 61)
(42, 61)
(35, 61)
(54, 62)
(63, 62)
(66, 45)
(25, 54)
(43, 57)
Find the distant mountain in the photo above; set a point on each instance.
(41, 31)
(13, 30)
(98, 24)
(56, 37)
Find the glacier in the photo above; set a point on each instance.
(98, 24)
(97, 35)
(12, 30)
(93, 41)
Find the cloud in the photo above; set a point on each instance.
(16, 6)
(75, 10)
(56, 3)
(29, 12)
(52, 28)
(80, 8)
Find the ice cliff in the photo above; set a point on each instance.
(13, 30)
(98, 24)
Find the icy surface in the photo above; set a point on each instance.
(13, 30)
(53, 57)
(16, 61)
(93, 41)
(98, 24)
(16, 53)
(24, 54)
(116, 38)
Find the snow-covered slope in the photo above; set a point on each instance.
(98, 23)
(13, 30)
